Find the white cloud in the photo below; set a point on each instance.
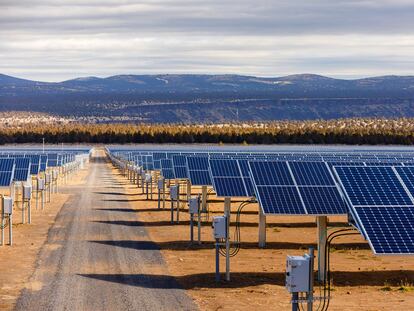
(56, 40)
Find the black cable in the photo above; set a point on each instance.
(327, 276)
(236, 249)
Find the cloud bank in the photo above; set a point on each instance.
(53, 40)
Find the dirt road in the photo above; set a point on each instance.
(94, 260)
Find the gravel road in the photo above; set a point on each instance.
(92, 259)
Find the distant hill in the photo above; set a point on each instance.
(211, 98)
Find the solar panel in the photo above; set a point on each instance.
(52, 159)
(227, 178)
(245, 171)
(390, 230)
(22, 169)
(157, 157)
(381, 206)
(372, 186)
(312, 173)
(166, 169)
(179, 166)
(323, 200)
(43, 162)
(271, 173)
(407, 175)
(198, 172)
(6, 172)
(280, 200)
(311, 185)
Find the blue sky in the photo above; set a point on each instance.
(53, 40)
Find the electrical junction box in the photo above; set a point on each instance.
(143, 174)
(7, 205)
(219, 227)
(55, 174)
(148, 178)
(27, 191)
(174, 192)
(161, 184)
(298, 273)
(40, 184)
(193, 205)
(47, 178)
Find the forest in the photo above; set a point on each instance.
(341, 131)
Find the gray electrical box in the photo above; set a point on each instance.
(40, 184)
(27, 191)
(55, 174)
(219, 227)
(174, 192)
(194, 205)
(7, 205)
(298, 273)
(161, 184)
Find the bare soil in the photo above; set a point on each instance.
(19, 260)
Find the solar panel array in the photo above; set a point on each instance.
(376, 186)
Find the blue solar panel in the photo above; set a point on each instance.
(229, 187)
(314, 189)
(198, 171)
(199, 178)
(381, 206)
(407, 175)
(227, 178)
(372, 186)
(280, 200)
(245, 171)
(6, 172)
(390, 230)
(22, 169)
(166, 169)
(179, 166)
(34, 164)
(43, 163)
(52, 159)
(197, 163)
(271, 173)
(323, 200)
(312, 173)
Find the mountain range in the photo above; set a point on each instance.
(211, 98)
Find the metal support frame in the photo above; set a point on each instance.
(188, 189)
(204, 198)
(227, 208)
(310, 293)
(262, 228)
(322, 223)
(178, 201)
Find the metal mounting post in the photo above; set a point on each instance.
(322, 223)
(227, 206)
(310, 293)
(204, 198)
(262, 228)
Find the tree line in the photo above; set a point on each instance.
(342, 131)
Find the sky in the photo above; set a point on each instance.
(55, 40)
